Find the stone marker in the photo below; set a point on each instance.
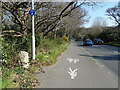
(24, 58)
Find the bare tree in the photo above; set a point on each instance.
(18, 13)
(98, 24)
(114, 13)
(48, 15)
(76, 19)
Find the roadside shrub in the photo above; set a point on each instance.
(109, 35)
(66, 38)
(10, 59)
(38, 39)
(11, 47)
(92, 36)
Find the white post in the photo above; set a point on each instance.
(33, 34)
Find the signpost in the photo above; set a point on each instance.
(32, 13)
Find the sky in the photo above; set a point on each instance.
(100, 11)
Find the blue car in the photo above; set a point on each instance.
(87, 42)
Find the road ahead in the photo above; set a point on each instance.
(83, 67)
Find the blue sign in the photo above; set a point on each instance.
(32, 12)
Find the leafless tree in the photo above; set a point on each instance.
(114, 13)
(48, 14)
(76, 19)
(99, 22)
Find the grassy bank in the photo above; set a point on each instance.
(49, 51)
(117, 44)
(18, 78)
(46, 54)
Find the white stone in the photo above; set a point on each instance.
(24, 58)
(26, 65)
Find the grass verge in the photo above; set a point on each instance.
(46, 54)
(117, 44)
(18, 78)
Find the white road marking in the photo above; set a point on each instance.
(76, 60)
(70, 60)
(116, 52)
(87, 52)
(95, 46)
(93, 59)
(98, 64)
(101, 65)
(113, 51)
(72, 73)
(108, 72)
(73, 60)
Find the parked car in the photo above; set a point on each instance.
(98, 41)
(87, 42)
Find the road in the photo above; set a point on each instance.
(83, 67)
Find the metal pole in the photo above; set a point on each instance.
(33, 34)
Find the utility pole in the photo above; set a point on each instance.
(33, 34)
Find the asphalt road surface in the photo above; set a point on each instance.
(83, 67)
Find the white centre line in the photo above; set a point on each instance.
(101, 65)
(116, 52)
(87, 52)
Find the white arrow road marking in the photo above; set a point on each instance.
(76, 60)
(73, 60)
(72, 73)
(70, 60)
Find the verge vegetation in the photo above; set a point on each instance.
(13, 74)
